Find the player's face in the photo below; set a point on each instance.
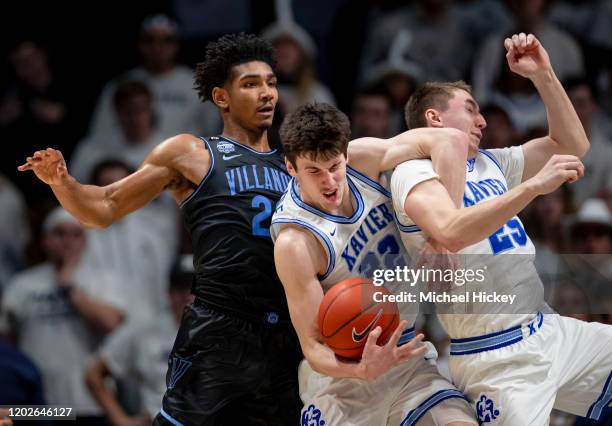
(252, 95)
(464, 114)
(322, 182)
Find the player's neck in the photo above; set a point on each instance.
(257, 139)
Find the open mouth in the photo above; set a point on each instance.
(330, 195)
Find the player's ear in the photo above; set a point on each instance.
(292, 171)
(220, 97)
(433, 118)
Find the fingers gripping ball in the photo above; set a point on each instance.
(348, 312)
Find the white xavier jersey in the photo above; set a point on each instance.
(356, 245)
(507, 255)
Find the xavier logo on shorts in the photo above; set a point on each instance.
(312, 417)
(485, 410)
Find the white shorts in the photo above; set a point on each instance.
(413, 393)
(552, 362)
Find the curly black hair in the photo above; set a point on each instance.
(315, 131)
(228, 51)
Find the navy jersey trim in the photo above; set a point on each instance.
(492, 158)
(597, 408)
(414, 415)
(377, 186)
(170, 418)
(333, 218)
(247, 147)
(210, 170)
(331, 254)
(406, 228)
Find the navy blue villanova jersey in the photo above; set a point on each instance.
(228, 217)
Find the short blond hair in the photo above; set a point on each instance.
(435, 94)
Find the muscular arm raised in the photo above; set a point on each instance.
(177, 164)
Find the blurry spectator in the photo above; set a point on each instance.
(5, 420)
(545, 223)
(345, 44)
(133, 104)
(399, 75)
(500, 132)
(371, 114)
(35, 112)
(516, 93)
(588, 20)
(437, 39)
(176, 104)
(592, 229)
(21, 382)
(482, 18)
(14, 230)
(133, 107)
(295, 54)
(60, 310)
(598, 161)
(212, 18)
(136, 248)
(140, 350)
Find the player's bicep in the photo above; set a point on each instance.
(136, 190)
(158, 172)
(536, 153)
(297, 262)
(430, 207)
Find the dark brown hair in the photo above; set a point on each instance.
(315, 131)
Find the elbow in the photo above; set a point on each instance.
(450, 240)
(112, 322)
(583, 148)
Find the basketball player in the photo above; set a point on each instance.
(515, 368)
(337, 220)
(235, 357)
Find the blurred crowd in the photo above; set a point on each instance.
(89, 316)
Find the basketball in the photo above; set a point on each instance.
(348, 313)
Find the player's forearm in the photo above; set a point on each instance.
(99, 315)
(473, 224)
(565, 128)
(441, 145)
(87, 203)
(323, 360)
(448, 161)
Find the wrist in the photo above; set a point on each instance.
(532, 187)
(545, 76)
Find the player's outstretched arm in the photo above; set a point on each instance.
(446, 147)
(431, 208)
(527, 57)
(304, 295)
(97, 206)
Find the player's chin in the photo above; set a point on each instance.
(264, 124)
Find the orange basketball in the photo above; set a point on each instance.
(348, 313)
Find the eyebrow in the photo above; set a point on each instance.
(268, 76)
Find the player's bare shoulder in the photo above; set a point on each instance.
(187, 158)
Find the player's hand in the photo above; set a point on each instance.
(48, 165)
(377, 360)
(526, 56)
(558, 170)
